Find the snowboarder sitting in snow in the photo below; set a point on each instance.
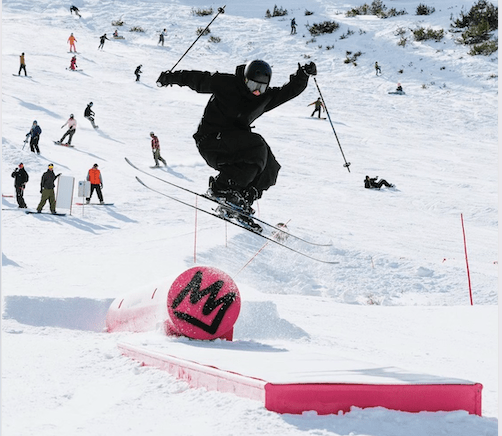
(245, 162)
(89, 114)
(137, 72)
(73, 63)
(318, 107)
(373, 184)
(399, 88)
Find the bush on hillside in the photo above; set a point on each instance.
(476, 34)
(136, 29)
(485, 49)
(201, 31)
(482, 11)
(118, 23)
(424, 10)
(422, 34)
(277, 12)
(202, 12)
(214, 39)
(322, 28)
(376, 8)
(308, 12)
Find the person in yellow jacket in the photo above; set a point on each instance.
(72, 41)
(22, 65)
(94, 176)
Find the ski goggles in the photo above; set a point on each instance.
(256, 88)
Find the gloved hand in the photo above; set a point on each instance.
(27, 134)
(41, 189)
(58, 175)
(169, 78)
(310, 69)
(101, 186)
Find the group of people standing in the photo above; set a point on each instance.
(47, 186)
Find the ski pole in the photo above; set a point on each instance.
(346, 165)
(25, 142)
(220, 11)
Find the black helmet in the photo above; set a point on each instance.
(257, 75)
(91, 103)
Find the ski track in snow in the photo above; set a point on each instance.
(398, 297)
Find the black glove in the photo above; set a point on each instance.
(169, 78)
(58, 175)
(310, 69)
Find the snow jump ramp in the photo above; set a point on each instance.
(203, 304)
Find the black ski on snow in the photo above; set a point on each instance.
(45, 213)
(229, 207)
(221, 217)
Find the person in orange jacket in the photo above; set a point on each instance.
(72, 41)
(94, 176)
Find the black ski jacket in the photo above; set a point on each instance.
(88, 112)
(232, 106)
(20, 177)
(48, 179)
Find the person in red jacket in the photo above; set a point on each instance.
(156, 150)
(94, 176)
(73, 63)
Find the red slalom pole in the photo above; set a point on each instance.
(466, 260)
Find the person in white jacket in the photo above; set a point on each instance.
(72, 126)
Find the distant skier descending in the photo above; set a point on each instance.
(245, 162)
(102, 40)
(89, 114)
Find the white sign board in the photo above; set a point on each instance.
(64, 194)
(84, 189)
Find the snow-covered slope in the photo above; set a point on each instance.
(399, 295)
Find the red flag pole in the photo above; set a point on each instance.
(466, 260)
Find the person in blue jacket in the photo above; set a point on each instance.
(35, 133)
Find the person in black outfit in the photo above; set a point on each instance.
(372, 183)
(138, 71)
(102, 40)
(245, 162)
(20, 179)
(35, 133)
(89, 114)
(47, 189)
(74, 9)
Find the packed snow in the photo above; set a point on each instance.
(399, 296)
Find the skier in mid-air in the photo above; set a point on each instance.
(245, 162)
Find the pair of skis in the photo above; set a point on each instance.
(277, 236)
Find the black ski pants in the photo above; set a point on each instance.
(34, 144)
(20, 196)
(96, 188)
(243, 157)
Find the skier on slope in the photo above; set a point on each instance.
(72, 127)
(245, 162)
(22, 65)
(156, 150)
(47, 189)
(89, 114)
(137, 72)
(72, 40)
(102, 40)
(35, 133)
(73, 63)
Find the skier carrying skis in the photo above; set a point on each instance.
(73, 63)
(94, 176)
(22, 65)
(245, 162)
(371, 183)
(89, 114)
(35, 133)
(72, 127)
(318, 107)
(102, 40)
(47, 189)
(156, 150)
(20, 179)
(137, 72)
(72, 41)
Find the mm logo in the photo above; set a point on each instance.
(204, 301)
